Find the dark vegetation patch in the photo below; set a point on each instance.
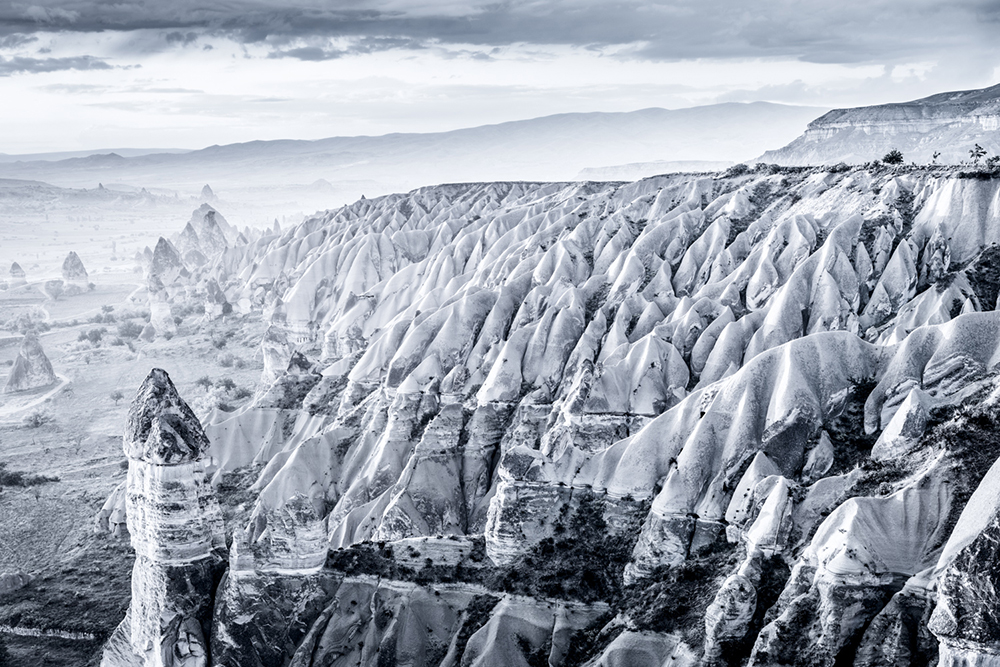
(22, 479)
(235, 497)
(984, 277)
(474, 617)
(774, 576)
(87, 594)
(675, 599)
(584, 560)
(984, 174)
(968, 433)
(851, 445)
(589, 642)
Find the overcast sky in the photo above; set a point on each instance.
(84, 74)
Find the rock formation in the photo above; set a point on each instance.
(17, 275)
(166, 264)
(73, 271)
(176, 530)
(31, 369)
(744, 418)
(946, 124)
(11, 581)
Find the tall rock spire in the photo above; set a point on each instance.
(176, 529)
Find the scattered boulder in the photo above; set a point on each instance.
(11, 581)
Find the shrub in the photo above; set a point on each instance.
(893, 157)
(737, 170)
(204, 381)
(36, 419)
(94, 336)
(22, 479)
(116, 396)
(226, 383)
(241, 393)
(129, 329)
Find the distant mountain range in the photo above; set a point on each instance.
(65, 155)
(946, 123)
(549, 148)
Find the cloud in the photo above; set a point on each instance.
(178, 37)
(21, 65)
(353, 47)
(15, 40)
(846, 31)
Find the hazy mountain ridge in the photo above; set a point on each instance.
(947, 123)
(549, 148)
(686, 420)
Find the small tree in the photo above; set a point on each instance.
(977, 153)
(893, 157)
(54, 289)
(129, 329)
(117, 395)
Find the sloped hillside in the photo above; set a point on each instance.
(722, 419)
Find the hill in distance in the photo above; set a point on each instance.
(552, 148)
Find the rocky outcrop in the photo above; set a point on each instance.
(165, 265)
(73, 271)
(17, 275)
(176, 530)
(942, 128)
(966, 620)
(31, 369)
(12, 581)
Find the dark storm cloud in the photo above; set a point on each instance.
(846, 31)
(18, 65)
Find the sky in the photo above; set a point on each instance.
(87, 74)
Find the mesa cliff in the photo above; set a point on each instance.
(941, 128)
(698, 419)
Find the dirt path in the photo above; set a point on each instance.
(16, 409)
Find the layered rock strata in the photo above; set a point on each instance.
(176, 530)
